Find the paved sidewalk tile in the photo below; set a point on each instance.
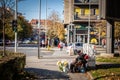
(46, 69)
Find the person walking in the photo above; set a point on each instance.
(103, 43)
(61, 45)
(43, 43)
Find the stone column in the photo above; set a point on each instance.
(110, 37)
(68, 34)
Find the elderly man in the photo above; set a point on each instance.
(80, 61)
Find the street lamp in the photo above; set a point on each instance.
(39, 29)
(70, 22)
(46, 24)
(16, 27)
(4, 29)
(89, 23)
(89, 28)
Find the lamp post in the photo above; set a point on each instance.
(70, 22)
(89, 28)
(4, 29)
(46, 25)
(16, 26)
(89, 24)
(39, 29)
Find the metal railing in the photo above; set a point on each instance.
(90, 50)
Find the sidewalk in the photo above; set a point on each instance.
(46, 69)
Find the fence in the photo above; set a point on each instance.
(89, 49)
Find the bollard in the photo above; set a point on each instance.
(48, 47)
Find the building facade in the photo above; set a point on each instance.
(79, 18)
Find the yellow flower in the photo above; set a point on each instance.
(65, 63)
(59, 63)
(62, 64)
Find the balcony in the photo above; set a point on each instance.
(85, 18)
(86, 1)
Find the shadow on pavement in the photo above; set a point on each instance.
(44, 74)
(106, 66)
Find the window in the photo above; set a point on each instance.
(92, 11)
(76, 14)
(82, 11)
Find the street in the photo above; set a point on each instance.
(28, 49)
(46, 67)
(31, 51)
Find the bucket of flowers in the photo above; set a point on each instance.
(63, 65)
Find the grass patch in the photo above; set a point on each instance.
(106, 74)
(107, 71)
(112, 60)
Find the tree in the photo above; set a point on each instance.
(117, 33)
(8, 3)
(61, 32)
(100, 29)
(55, 27)
(24, 28)
(7, 15)
(5, 18)
(117, 30)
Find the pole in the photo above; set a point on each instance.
(71, 33)
(70, 24)
(89, 24)
(46, 25)
(39, 29)
(99, 35)
(89, 28)
(68, 34)
(16, 27)
(4, 29)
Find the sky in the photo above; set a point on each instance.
(30, 8)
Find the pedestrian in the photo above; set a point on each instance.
(43, 43)
(103, 43)
(61, 45)
(79, 62)
(46, 43)
(65, 44)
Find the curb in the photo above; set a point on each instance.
(90, 76)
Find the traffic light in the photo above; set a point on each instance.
(14, 25)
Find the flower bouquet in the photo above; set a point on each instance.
(63, 65)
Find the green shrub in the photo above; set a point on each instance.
(11, 65)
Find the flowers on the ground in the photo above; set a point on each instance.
(63, 65)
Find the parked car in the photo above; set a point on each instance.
(75, 47)
(7, 42)
(1, 42)
(26, 41)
